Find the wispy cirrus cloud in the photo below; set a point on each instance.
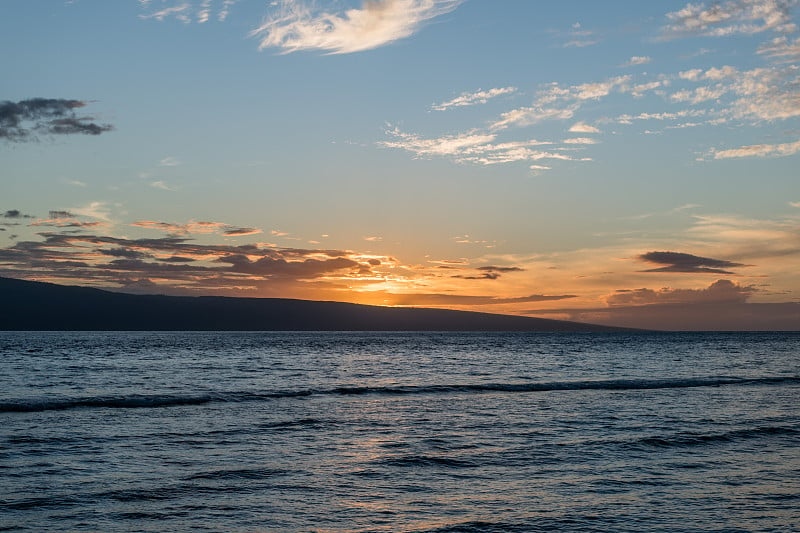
(478, 97)
(731, 17)
(199, 11)
(579, 37)
(301, 25)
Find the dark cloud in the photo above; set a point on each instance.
(490, 272)
(189, 266)
(20, 121)
(721, 291)
(236, 232)
(15, 213)
(722, 306)
(66, 223)
(500, 269)
(487, 275)
(687, 263)
(61, 214)
(124, 252)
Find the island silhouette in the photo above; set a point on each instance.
(33, 305)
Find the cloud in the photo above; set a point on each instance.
(580, 43)
(198, 227)
(758, 150)
(527, 116)
(181, 229)
(637, 60)
(21, 121)
(688, 263)
(722, 306)
(781, 50)
(199, 11)
(300, 25)
(98, 210)
(580, 127)
(475, 148)
(468, 99)
(571, 99)
(16, 213)
(490, 272)
(579, 37)
(239, 232)
(161, 185)
(721, 291)
(580, 140)
(730, 18)
(180, 264)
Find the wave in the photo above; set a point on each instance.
(685, 440)
(175, 400)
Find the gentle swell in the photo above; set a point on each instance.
(683, 440)
(164, 400)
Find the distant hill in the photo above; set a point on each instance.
(30, 305)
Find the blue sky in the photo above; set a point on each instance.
(515, 157)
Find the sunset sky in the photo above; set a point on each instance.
(632, 163)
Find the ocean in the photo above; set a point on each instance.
(379, 432)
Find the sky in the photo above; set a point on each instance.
(628, 163)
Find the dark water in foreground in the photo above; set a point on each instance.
(399, 432)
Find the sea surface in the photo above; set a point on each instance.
(423, 432)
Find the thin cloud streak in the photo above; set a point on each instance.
(469, 99)
(758, 150)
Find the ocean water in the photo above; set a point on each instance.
(423, 432)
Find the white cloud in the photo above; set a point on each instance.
(161, 185)
(757, 94)
(781, 50)
(691, 75)
(580, 140)
(199, 11)
(730, 18)
(467, 99)
(795, 204)
(180, 12)
(442, 146)
(526, 116)
(759, 150)
(170, 162)
(587, 91)
(97, 210)
(581, 127)
(299, 25)
(638, 90)
(637, 60)
(475, 148)
(580, 43)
